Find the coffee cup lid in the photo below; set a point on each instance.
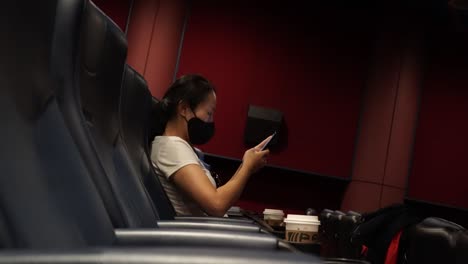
(302, 219)
(273, 212)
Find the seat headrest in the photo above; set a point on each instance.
(135, 109)
(102, 60)
(440, 223)
(155, 124)
(39, 37)
(433, 241)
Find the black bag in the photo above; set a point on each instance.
(378, 228)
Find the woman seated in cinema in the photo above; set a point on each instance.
(187, 111)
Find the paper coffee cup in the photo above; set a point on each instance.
(273, 217)
(302, 229)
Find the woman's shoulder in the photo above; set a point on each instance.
(171, 142)
(172, 150)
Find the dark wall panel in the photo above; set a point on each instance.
(440, 172)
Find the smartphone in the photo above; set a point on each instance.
(268, 142)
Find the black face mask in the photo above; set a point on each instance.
(199, 131)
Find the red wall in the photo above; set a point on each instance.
(154, 36)
(311, 64)
(439, 172)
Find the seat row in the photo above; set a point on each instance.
(396, 234)
(76, 183)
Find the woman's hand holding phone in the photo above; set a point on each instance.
(256, 157)
(266, 143)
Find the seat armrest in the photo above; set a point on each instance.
(209, 226)
(160, 255)
(188, 237)
(344, 261)
(214, 219)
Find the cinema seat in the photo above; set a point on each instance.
(434, 240)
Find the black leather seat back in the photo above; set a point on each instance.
(433, 241)
(336, 229)
(156, 127)
(335, 235)
(47, 199)
(135, 110)
(346, 247)
(103, 53)
(94, 24)
(325, 232)
(461, 251)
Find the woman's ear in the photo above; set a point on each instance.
(183, 109)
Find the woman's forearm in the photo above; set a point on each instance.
(228, 194)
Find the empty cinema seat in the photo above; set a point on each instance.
(378, 228)
(102, 56)
(45, 201)
(434, 240)
(135, 110)
(51, 211)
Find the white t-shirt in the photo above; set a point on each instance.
(169, 154)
